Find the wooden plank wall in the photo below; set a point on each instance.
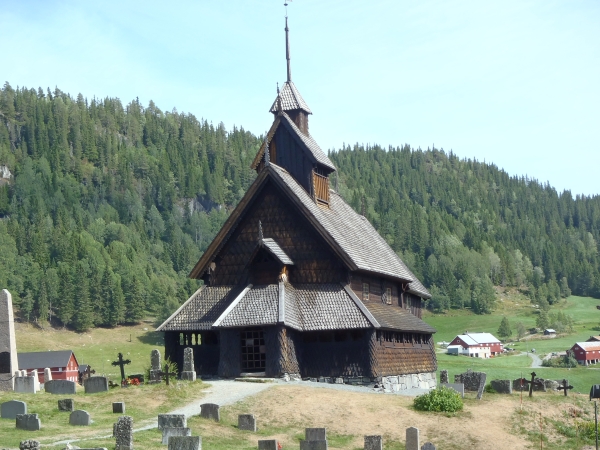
(292, 157)
(388, 359)
(230, 356)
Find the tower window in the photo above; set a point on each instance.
(388, 296)
(365, 292)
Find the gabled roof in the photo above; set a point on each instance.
(589, 346)
(308, 143)
(304, 307)
(478, 338)
(349, 234)
(290, 99)
(41, 360)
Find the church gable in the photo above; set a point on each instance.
(314, 261)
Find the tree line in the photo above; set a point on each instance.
(109, 206)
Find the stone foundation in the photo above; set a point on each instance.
(394, 383)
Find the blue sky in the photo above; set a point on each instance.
(516, 83)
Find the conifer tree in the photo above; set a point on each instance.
(504, 328)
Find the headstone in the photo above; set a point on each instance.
(79, 417)
(412, 439)
(185, 443)
(188, 372)
(36, 379)
(123, 432)
(268, 444)
(10, 409)
(458, 387)
(95, 384)
(502, 386)
(315, 434)
(443, 376)
(373, 443)
(8, 345)
(66, 404)
(172, 431)
(428, 446)
(118, 407)
(60, 387)
(171, 421)
(29, 422)
(29, 444)
(247, 422)
(155, 366)
(47, 375)
(25, 384)
(210, 411)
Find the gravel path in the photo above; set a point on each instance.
(536, 360)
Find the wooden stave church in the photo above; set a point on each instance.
(296, 282)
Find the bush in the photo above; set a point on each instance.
(442, 399)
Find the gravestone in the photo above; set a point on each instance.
(373, 443)
(155, 367)
(268, 444)
(428, 446)
(60, 387)
(458, 387)
(315, 439)
(247, 422)
(171, 421)
(443, 377)
(185, 443)
(47, 375)
(8, 344)
(412, 439)
(29, 422)
(210, 411)
(29, 444)
(95, 384)
(80, 417)
(118, 407)
(188, 372)
(10, 409)
(25, 384)
(473, 381)
(502, 386)
(66, 404)
(172, 431)
(123, 432)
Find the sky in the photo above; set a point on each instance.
(515, 82)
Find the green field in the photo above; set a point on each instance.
(518, 309)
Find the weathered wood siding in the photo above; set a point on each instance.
(377, 287)
(293, 157)
(389, 357)
(230, 357)
(314, 262)
(205, 346)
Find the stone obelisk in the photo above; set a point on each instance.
(8, 346)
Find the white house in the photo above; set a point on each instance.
(478, 345)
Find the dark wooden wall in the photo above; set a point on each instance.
(314, 262)
(292, 157)
(300, 118)
(230, 356)
(205, 345)
(394, 358)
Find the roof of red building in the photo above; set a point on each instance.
(39, 360)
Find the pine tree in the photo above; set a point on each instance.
(83, 318)
(504, 329)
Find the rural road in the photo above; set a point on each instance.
(537, 361)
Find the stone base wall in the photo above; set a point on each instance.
(393, 383)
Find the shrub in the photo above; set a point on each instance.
(442, 399)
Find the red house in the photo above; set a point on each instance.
(586, 353)
(478, 345)
(62, 363)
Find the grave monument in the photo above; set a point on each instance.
(8, 345)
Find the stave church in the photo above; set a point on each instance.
(297, 283)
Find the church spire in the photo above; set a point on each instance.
(287, 48)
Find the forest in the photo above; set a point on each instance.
(105, 208)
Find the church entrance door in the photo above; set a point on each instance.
(253, 350)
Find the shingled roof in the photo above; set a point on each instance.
(308, 143)
(290, 99)
(304, 307)
(274, 248)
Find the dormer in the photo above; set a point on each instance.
(268, 263)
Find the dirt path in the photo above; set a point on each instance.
(536, 360)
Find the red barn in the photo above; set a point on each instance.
(476, 344)
(586, 353)
(62, 363)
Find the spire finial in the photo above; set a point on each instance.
(287, 45)
(260, 233)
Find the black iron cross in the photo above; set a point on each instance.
(121, 363)
(531, 383)
(565, 386)
(165, 373)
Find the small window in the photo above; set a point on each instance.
(388, 296)
(366, 292)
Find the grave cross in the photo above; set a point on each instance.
(165, 373)
(565, 386)
(121, 363)
(532, 383)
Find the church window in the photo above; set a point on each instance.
(365, 296)
(388, 296)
